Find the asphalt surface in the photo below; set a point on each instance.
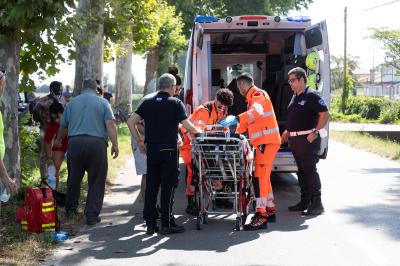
(361, 194)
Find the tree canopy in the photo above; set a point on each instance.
(134, 20)
(188, 9)
(42, 28)
(171, 34)
(391, 44)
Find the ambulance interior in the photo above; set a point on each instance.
(268, 56)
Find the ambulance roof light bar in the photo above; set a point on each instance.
(299, 18)
(205, 19)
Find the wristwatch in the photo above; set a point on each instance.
(316, 132)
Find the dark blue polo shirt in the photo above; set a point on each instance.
(162, 114)
(303, 110)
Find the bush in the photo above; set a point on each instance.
(390, 113)
(368, 108)
(28, 137)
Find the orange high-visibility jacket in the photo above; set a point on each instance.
(205, 114)
(259, 119)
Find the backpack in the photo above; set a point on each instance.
(39, 212)
(38, 109)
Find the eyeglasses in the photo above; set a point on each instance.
(290, 81)
(4, 74)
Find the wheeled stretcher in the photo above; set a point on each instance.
(222, 170)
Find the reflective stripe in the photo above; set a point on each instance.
(24, 222)
(264, 132)
(46, 204)
(48, 225)
(48, 209)
(251, 117)
(24, 228)
(198, 122)
(49, 230)
(265, 114)
(261, 203)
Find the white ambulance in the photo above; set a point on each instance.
(265, 46)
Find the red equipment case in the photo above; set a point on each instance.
(39, 212)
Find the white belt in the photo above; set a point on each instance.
(299, 133)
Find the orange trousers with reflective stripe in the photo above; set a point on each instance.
(186, 153)
(262, 170)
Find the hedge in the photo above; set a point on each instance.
(370, 108)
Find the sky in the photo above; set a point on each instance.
(359, 20)
(361, 15)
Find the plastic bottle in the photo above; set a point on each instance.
(4, 194)
(51, 176)
(60, 236)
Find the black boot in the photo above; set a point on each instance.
(152, 228)
(316, 207)
(258, 221)
(302, 205)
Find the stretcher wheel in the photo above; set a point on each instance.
(198, 222)
(238, 223)
(204, 217)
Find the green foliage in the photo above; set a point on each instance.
(391, 43)
(363, 109)
(132, 20)
(29, 137)
(42, 29)
(188, 9)
(390, 112)
(337, 70)
(171, 35)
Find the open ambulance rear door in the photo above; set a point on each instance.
(316, 39)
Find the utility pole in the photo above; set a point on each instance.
(345, 93)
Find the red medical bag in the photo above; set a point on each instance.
(39, 212)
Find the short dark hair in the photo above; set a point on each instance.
(299, 73)
(173, 70)
(225, 97)
(55, 87)
(56, 108)
(246, 77)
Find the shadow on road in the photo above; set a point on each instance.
(128, 239)
(382, 216)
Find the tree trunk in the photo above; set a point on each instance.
(152, 65)
(9, 60)
(123, 79)
(89, 44)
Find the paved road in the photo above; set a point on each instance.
(338, 126)
(361, 193)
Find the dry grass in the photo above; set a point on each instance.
(382, 147)
(19, 248)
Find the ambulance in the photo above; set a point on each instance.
(265, 46)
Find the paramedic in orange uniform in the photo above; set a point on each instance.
(263, 132)
(208, 113)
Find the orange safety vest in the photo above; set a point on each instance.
(205, 114)
(259, 119)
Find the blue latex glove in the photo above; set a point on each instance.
(230, 120)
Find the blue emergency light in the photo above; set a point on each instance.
(299, 19)
(205, 19)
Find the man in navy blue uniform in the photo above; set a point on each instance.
(162, 114)
(307, 117)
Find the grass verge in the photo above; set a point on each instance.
(19, 248)
(365, 141)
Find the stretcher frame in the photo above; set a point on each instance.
(218, 156)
